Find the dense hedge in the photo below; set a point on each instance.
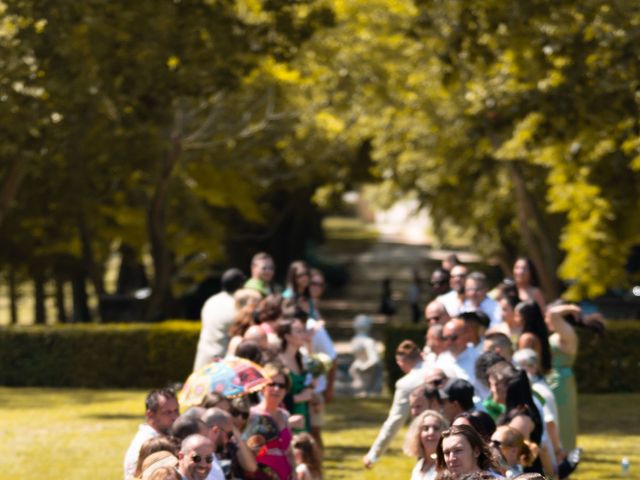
(114, 355)
(151, 355)
(607, 364)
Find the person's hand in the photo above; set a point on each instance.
(296, 421)
(366, 461)
(304, 396)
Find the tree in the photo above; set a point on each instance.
(516, 123)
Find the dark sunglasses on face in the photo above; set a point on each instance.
(279, 385)
(198, 458)
(239, 413)
(452, 338)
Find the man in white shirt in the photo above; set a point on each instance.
(197, 459)
(454, 300)
(409, 359)
(459, 360)
(161, 411)
(475, 291)
(217, 315)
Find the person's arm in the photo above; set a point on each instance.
(398, 413)
(245, 457)
(536, 295)
(554, 436)
(547, 464)
(331, 378)
(566, 333)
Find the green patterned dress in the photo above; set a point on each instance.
(563, 384)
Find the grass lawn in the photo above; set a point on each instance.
(83, 434)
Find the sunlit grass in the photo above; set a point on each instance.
(83, 434)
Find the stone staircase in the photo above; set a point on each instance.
(362, 293)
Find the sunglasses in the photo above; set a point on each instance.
(279, 385)
(496, 443)
(451, 338)
(238, 413)
(198, 458)
(438, 283)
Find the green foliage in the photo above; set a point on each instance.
(115, 355)
(603, 364)
(517, 123)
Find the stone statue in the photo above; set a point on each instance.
(366, 369)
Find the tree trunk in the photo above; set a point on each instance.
(535, 237)
(94, 270)
(161, 295)
(11, 184)
(81, 312)
(13, 296)
(61, 308)
(40, 312)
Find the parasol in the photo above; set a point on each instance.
(231, 377)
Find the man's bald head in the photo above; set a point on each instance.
(455, 334)
(436, 313)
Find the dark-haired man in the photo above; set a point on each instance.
(457, 397)
(161, 411)
(454, 299)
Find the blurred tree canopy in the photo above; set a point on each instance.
(219, 127)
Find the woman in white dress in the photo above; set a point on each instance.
(421, 442)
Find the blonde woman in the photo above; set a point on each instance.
(422, 441)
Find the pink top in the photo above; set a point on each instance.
(273, 454)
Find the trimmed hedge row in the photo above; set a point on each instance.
(114, 355)
(607, 364)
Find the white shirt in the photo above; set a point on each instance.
(217, 316)
(321, 343)
(418, 474)
(488, 306)
(145, 432)
(451, 302)
(463, 366)
(216, 472)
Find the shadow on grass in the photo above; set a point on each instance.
(615, 414)
(39, 398)
(353, 413)
(114, 416)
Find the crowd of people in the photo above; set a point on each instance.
(491, 394)
(274, 434)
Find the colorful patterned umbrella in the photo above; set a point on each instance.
(231, 377)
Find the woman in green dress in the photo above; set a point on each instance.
(561, 320)
(293, 335)
(564, 347)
